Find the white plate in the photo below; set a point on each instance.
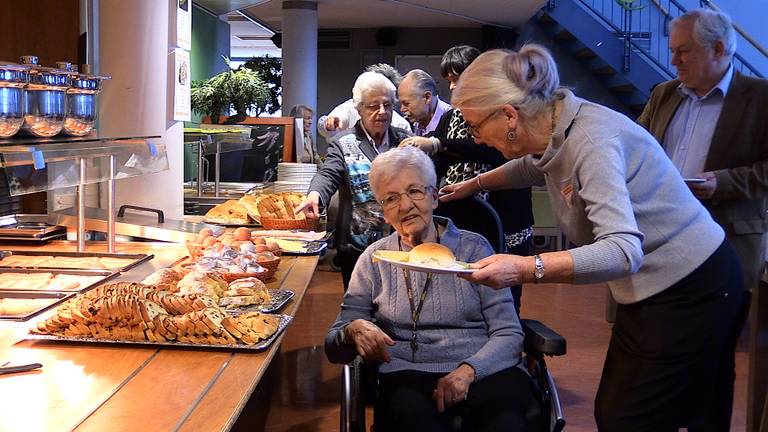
(423, 267)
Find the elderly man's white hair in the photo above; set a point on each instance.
(369, 81)
(392, 163)
(710, 26)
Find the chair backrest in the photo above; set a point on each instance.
(476, 215)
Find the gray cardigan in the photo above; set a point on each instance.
(460, 322)
(616, 194)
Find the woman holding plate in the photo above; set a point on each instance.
(618, 197)
(444, 346)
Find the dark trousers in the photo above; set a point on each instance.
(670, 362)
(346, 259)
(498, 402)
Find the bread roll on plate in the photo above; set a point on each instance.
(431, 254)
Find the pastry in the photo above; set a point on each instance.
(164, 279)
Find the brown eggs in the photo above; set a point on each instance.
(272, 246)
(259, 241)
(261, 248)
(209, 241)
(242, 234)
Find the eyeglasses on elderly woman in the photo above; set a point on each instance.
(415, 193)
(374, 107)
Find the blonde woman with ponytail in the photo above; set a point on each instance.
(636, 226)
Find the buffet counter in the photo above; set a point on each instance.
(99, 387)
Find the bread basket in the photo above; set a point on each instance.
(229, 277)
(277, 224)
(263, 276)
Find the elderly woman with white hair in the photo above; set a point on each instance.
(636, 225)
(345, 169)
(444, 346)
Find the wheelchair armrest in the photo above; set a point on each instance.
(541, 339)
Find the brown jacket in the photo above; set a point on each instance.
(738, 154)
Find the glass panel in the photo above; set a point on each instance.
(50, 166)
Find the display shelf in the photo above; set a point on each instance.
(36, 165)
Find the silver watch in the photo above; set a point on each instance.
(538, 270)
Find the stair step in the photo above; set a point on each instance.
(545, 18)
(624, 88)
(604, 70)
(584, 53)
(564, 35)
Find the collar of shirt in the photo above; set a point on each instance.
(723, 85)
(441, 108)
(384, 142)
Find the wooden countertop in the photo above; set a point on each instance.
(97, 387)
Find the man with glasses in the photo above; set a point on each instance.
(419, 101)
(360, 221)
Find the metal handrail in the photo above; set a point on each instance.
(739, 29)
(654, 25)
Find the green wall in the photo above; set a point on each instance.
(210, 41)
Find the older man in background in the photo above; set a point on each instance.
(419, 101)
(711, 121)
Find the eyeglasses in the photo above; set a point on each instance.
(475, 129)
(375, 107)
(414, 192)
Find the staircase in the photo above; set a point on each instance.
(623, 42)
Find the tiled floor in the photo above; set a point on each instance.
(301, 390)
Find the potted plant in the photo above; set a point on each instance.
(270, 70)
(241, 89)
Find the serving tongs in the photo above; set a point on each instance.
(20, 368)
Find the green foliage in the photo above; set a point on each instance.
(270, 69)
(241, 89)
(208, 99)
(630, 5)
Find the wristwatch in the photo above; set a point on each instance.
(538, 270)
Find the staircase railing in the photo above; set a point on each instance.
(645, 29)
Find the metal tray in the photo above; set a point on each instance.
(52, 236)
(106, 275)
(28, 227)
(284, 321)
(250, 225)
(137, 259)
(55, 297)
(313, 248)
(279, 299)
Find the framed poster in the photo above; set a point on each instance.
(182, 86)
(184, 24)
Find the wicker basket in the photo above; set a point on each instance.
(271, 265)
(229, 277)
(196, 251)
(263, 276)
(305, 224)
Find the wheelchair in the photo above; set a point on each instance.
(473, 214)
(540, 341)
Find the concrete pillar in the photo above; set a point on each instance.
(299, 47)
(134, 48)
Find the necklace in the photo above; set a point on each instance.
(416, 307)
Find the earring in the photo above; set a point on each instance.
(512, 135)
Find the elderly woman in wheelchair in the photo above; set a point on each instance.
(445, 347)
